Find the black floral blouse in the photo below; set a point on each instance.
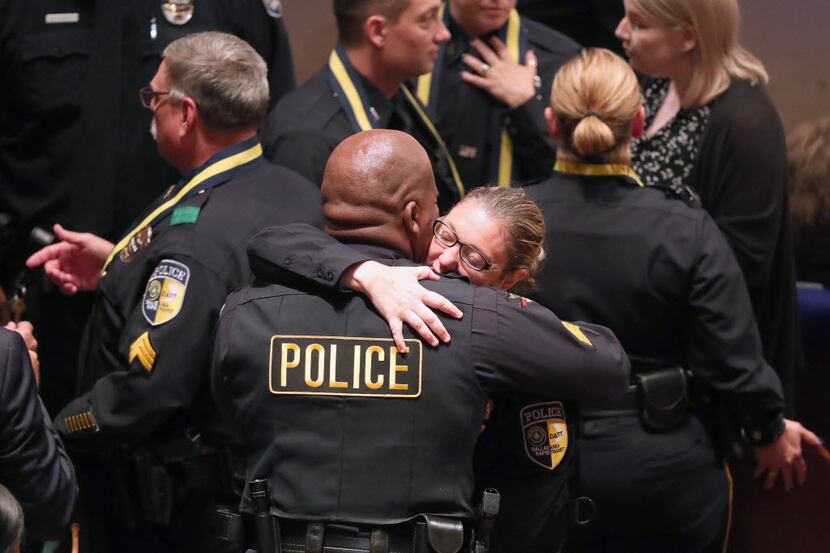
(667, 157)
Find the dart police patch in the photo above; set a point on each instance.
(545, 433)
(164, 294)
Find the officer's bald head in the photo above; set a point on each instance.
(378, 187)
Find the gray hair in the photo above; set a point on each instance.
(11, 521)
(226, 78)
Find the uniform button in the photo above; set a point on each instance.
(329, 276)
(321, 272)
(289, 259)
(507, 120)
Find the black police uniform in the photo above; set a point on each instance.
(661, 275)
(33, 464)
(74, 142)
(592, 23)
(532, 471)
(306, 126)
(475, 125)
(144, 358)
(349, 431)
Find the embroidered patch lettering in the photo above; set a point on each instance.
(545, 433)
(344, 366)
(164, 294)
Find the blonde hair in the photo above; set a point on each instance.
(595, 97)
(808, 152)
(523, 227)
(718, 58)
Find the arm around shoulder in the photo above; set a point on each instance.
(520, 345)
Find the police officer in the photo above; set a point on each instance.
(661, 275)
(380, 45)
(72, 150)
(365, 445)
(33, 463)
(488, 89)
(160, 287)
(589, 22)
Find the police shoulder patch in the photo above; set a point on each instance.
(545, 433)
(164, 294)
(577, 333)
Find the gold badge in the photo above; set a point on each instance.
(545, 433)
(140, 240)
(273, 7)
(177, 12)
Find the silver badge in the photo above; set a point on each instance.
(177, 12)
(273, 7)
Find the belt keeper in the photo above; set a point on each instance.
(379, 542)
(314, 537)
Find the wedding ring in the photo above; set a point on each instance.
(484, 69)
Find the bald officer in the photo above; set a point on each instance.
(366, 446)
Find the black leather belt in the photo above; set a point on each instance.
(318, 537)
(626, 405)
(301, 537)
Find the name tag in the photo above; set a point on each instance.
(53, 18)
(344, 366)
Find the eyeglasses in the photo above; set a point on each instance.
(471, 257)
(147, 94)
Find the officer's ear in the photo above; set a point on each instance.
(375, 30)
(417, 226)
(190, 114)
(550, 119)
(638, 123)
(511, 279)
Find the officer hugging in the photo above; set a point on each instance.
(356, 440)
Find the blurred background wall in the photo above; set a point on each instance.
(792, 37)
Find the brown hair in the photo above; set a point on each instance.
(718, 57)
(523, 227)
(595, 97)
(352, 14)
(808, 149)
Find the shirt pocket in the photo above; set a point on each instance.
(54, 70)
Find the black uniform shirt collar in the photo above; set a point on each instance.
(219, 156)
(378, 102)
(459, 43)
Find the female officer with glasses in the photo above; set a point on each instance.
(493, 237)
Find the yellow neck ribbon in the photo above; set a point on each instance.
(426, 88)
(214, 174)
(354, 100)
(598, 170)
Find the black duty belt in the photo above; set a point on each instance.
(437, 534)
(626, 405)
(660, 398)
